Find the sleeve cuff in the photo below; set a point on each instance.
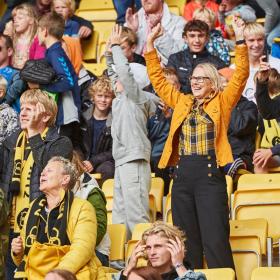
(275, 150)
(151, 55)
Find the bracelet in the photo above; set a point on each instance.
(178, 265)
(240, 42)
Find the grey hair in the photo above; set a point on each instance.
(68, 168)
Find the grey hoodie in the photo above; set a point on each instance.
(131, 110)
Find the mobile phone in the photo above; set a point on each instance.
(266, 51)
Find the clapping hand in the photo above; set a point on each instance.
(238, 26)
(131, 19)
(116, 35)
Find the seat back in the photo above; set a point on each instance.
(258, 181)
(152, 208)
(177, 3)
(218, 273)
(139, 229)
(157, 189)
(117, 233)
(109, 207)
(108, 187)
(89, 47)
(96, 5)
(265, 273)
(167, 211)
(246, 251)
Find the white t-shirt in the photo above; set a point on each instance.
(250, 88)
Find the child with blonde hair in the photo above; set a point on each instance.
(66, 9)
(24, 30)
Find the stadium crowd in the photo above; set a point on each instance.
(183, 97)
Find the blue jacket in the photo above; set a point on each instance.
(67, 80)
(71, 28)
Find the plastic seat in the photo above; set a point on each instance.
(108, 187)
(95, 68)
(218, 273)
(117, 233)
(246, 251)
(139, 229)
(96, 176)
(96, 5)
(152, 208)
(109, 207)
(167, 213)
(157, 189)
(97, 15)
(90, 46)
(177, 3)
(266, 273)
(258, 181)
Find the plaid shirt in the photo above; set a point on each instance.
(197, 134)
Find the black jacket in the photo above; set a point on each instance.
(242, 129)
(43, 151)
(104, 143)
(184, 62)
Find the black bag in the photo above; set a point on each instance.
(38, 71)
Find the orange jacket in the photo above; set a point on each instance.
(218, 107)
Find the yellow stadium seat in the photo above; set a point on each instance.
(177, 3)
(117, 233)
(109, 207)
(97, 15)
(157, 189)
(246, 251)
(266, 273)
(139, 229)
(96, 176)
(258, 181)
(89, 47)
(109, 217)
(95, 68)
(218, 273)
(108, 187)
(3, 7)
(96, 5)
(167, 212)
(152, 208)
(170, 185)
(260, 20)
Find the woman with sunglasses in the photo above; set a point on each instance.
(198, 145)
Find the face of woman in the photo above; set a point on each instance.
(22, 21)
(53, 178)
(200, 83)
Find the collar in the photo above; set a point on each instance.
(203, 53)
(54, 46)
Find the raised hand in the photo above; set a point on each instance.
(116, 37)
(238, 26)
(264, 68)
(131, 20)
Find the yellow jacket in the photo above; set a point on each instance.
(218, 107)
(80, 257)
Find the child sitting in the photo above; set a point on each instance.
(25, 27)
(66, 10)
(216, 44)
(96, 130)
(50, 32)
(8, 116)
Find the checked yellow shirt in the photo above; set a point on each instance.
(198, 134)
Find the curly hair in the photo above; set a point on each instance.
(102, 84)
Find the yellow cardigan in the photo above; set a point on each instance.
(218, 108)
(82, 232)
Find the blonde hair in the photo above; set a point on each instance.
(70, 4)
(254, 29)
(164, 230)
(205, 12)
(3, 82)
(34, 96)
(102, 84)
(212, 73)
(129, 35)
(273, 82)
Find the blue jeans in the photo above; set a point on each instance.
(121, 7)
(275, 32)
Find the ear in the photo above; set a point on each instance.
(65, 181)
(46, 118)
(10, 52)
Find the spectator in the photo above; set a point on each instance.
(230, 8)
(66, 10)
(163, 246)
(122, 5)
(60, 274)
(37, 118)
(196, 35)
(131, 147)
(15, 85)
(50, 31)
(267, 94)
(25, 27)
(242, 130)
(96, 130)
(152, 12)
(193, 5)
(87, 188)
(129, 45)
(158, 127)
(65, 227)
(272, 19)
(198, 141)
(216, 44)
(255, 41)
(8, 116)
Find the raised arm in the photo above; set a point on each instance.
(165, 90)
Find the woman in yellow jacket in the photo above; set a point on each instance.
(198, 145)
(59, 231)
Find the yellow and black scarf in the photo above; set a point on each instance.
(56, 235)
(20, 184)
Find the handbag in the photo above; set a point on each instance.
(44, 257)
(38, 71)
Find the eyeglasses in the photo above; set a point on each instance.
(198, 79)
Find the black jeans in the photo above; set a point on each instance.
(200, 208)
(10, 266)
